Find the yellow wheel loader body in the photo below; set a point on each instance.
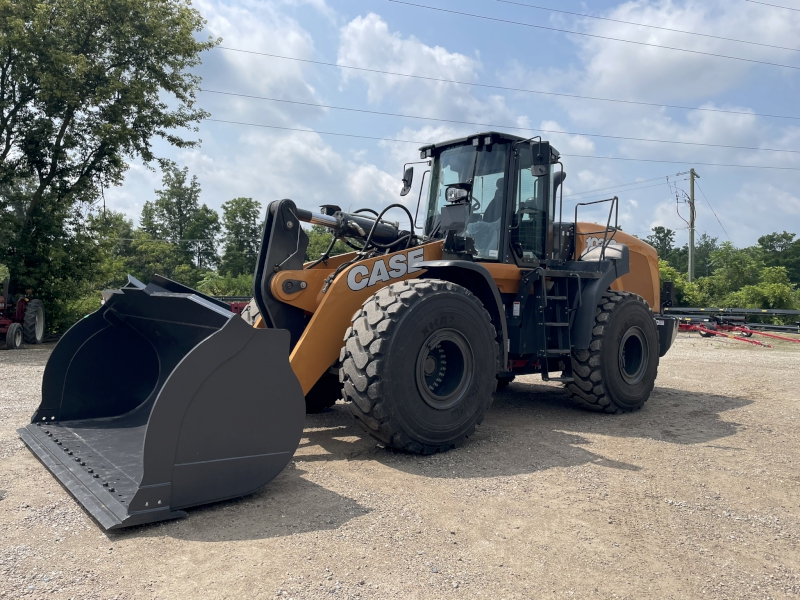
(164, 399)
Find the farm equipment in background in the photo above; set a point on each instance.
(22, 318)
(165, 398)
(720, 322)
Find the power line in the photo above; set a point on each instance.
(644, 187)
(707, 35)
(367, 137)
(506, 88)
(594, 35)
(773, 5)
(615, 187)
(350, 135)
(405, 116)
(712, 210)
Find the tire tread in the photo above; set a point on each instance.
(363, 354)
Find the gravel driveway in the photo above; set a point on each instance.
(695, 496)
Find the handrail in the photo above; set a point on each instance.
(614, 209)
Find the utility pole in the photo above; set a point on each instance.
(692, 176)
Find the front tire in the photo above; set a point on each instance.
(419, 365)
(618, 371)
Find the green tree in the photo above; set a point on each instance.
(4, 274)
(686, 292)
(241, 219)
(663, 240)
(319, 238)
(215, 284)
(203, 233)
(84, 86)
(782, 250)
(734, 268)
(774, 290)
(704, 248)
(176, 216)
(149, 256)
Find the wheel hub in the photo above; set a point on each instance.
(633, 355)
(444, 369)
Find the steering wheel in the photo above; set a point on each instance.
(475, 204)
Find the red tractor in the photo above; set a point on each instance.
(21, 318)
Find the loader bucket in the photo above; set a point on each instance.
(164, 399)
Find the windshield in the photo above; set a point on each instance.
(455, 165)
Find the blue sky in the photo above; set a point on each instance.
(312, 169)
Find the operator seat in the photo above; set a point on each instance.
(494, 210)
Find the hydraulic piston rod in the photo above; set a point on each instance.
(354, 225)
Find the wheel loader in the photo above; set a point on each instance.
(164, 399)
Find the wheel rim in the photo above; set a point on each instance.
(633, 356)
(444, 369)
(18, 338)
(39, 323)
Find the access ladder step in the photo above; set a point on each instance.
(556, 297)
(561, 379)
(558, 352)
(556, 324)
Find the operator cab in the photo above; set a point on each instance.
(503, 189)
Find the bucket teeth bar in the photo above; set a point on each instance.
(161, 400)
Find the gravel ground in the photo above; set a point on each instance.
(697, 495)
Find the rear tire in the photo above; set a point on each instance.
(618, 371)
(324, 394)
(419, 365)
(33, 322)
(14, 337)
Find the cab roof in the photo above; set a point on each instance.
(479, 139)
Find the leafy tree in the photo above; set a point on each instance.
(3, 273)
(663, 240)
(83, 86)
(215, 284)
(734, 268)
(319, 238)
(704, 248)
(774, 290)
(203, 232)
(776, 242)
(241, 219)
(782, 250)
(686, 292)
(149, 256)
(176, 216)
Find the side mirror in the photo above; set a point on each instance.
(539, 164)
(408, 177)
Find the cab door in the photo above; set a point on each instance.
(531, 219)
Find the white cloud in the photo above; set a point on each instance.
(258, 27)
(619, 69)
